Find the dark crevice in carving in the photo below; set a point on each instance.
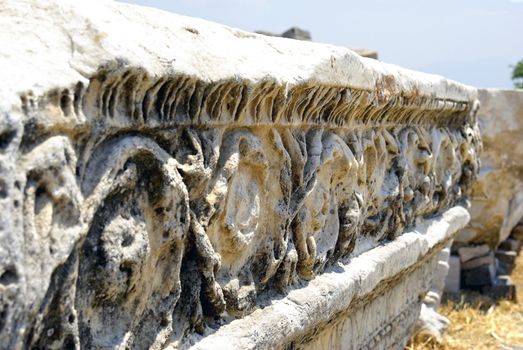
(6, 137)
(9, 275)
(54, 326)
(4, 312)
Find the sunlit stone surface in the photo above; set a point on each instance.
(497, 196)
(170, 182)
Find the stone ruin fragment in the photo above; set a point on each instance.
(167, 182)
(302, 34)
(484, 253)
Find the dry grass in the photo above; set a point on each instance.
(478, 322)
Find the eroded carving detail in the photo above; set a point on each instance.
(187, 200)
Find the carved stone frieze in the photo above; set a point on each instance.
(146, 204)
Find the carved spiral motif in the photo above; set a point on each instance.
(178, 201)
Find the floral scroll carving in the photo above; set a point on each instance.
(186, 202)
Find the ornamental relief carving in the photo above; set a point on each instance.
(185, 202)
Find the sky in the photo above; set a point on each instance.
(471, 41)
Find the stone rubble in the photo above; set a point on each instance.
(470, 252)
(489, 245)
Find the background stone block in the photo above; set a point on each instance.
(453, 281)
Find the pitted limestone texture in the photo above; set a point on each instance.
(497, 196)
(164, 175)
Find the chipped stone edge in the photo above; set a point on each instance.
(333, 292)
(81, 36)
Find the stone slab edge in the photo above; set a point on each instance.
(58, 43)
(334, 291)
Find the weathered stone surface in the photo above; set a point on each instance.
(477, 262)
(366, 53)
(291, 33)
(484, 275)
(502, 288)
(297, 33)
(302, 34)
(510, 244)
(517, 232)
(497, 196)
(453, 281)
(431, 324)
(162, 175)
(471, 252)
(334, 311)
(506, 260)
